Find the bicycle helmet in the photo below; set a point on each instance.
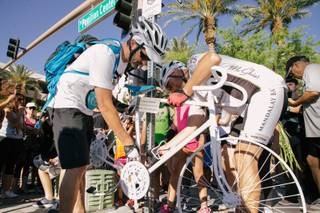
(151, 36)
(168, 69)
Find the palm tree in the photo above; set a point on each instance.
(18, 77)
(179, 49)
(204, 12)
(275, 14)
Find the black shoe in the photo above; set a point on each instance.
(53, 211)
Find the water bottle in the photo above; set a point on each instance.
(91, 102)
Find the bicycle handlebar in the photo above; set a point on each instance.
(221, 81)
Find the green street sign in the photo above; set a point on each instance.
(96, 14)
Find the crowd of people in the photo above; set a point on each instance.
(69, 123)
(21, 144)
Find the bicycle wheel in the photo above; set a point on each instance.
(274, 185)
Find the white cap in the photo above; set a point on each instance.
(31, 104)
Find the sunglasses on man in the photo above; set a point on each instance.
(144, 56)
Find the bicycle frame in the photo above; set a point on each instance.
(183, 138)
(178, 142)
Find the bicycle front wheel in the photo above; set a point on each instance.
(270, 186)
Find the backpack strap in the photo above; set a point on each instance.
(115, 46)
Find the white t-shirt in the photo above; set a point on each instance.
(72, 89)
(311, 111)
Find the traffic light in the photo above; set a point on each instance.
(13, 48)
(122, 18)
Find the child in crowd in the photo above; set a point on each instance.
(47, 163)
(173, 77)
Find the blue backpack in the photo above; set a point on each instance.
(66, 53)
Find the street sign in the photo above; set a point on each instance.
(148, 104)
(151, 8)
(96, 14)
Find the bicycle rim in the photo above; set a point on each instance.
(279, 188)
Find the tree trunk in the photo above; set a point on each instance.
(209, 31)
(277, 31)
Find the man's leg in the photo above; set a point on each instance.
(80, 205)
(313, 158)
(314, 165)
(46, 184)
(72, 134)
(246, 161)
(69, 188)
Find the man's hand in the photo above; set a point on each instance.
(54, 161)
(178, 98)
(291, 102)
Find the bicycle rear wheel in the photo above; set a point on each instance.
(279, 189)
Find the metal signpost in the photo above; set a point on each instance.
(150, 8)
(96, 14)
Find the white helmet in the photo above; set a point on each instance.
(168, 69)
(152, 36)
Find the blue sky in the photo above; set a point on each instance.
(27, 19)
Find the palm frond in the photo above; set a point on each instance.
(286, 152)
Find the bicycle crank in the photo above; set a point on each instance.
(135, 180)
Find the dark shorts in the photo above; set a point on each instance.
(313, 147)
(72, 131)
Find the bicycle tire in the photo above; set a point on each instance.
(270, 197)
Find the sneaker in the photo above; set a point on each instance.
(315, 205)
(10, 194)
(19, 191)
(166, 209)
(55, 205)
(53, 211)
(204, 210)
(119, 203)
(43, 203)
(130, 203)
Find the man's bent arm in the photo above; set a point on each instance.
(202, 72)
(307, 97)
(110, 115)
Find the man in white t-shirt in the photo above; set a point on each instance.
(72, 118)
(300, 67)
(266, 94)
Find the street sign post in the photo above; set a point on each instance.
(151, 8)
(96, 14)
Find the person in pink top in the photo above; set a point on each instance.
(173, 77)
(182, 114)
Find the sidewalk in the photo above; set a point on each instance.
(23, 204)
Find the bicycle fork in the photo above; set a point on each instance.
(230, 199)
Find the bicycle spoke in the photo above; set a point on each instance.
(270, 199)
(273, 186)
(277, 175)
(264, 176)
(266, 160)
(268, 207)
(244, 169)
(204, 181)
